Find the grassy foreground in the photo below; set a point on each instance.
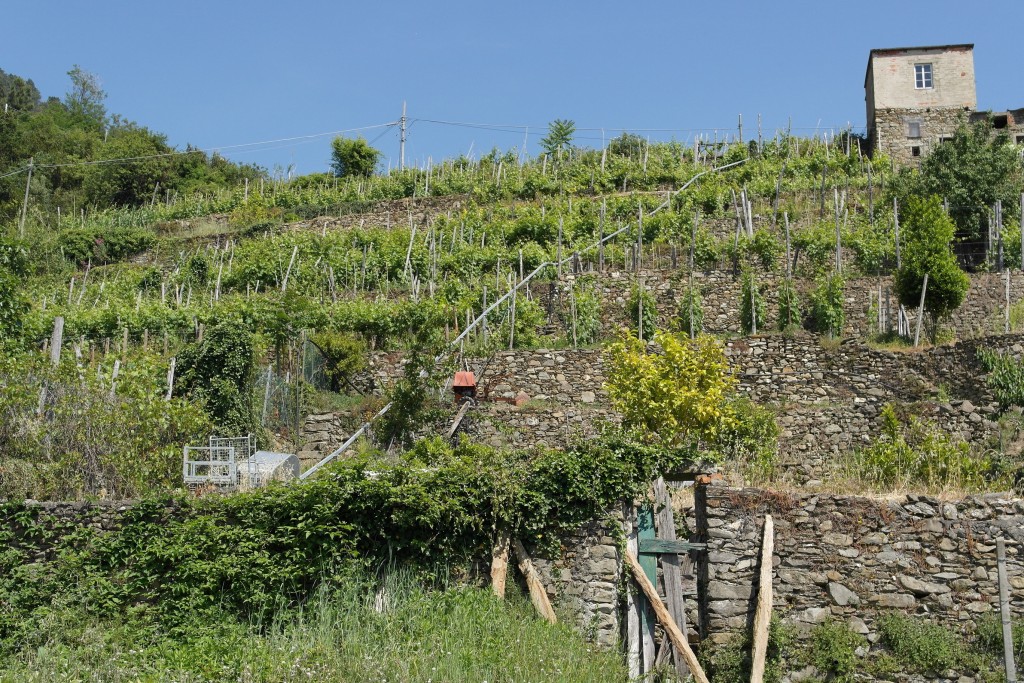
(351, 632)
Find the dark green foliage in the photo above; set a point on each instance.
(588, 312)
(767, 248)
(344, 356)
(196, 270)
(559, 137)
(220, 371)
(128, 184)
(246, 554)
(353, 157)
(731, 662)
(17, 93)
(103, 245)
(641, 308)
(989, 637)
(789, 306)
(926, 233)
(827, 313)
(971, 171)
(752, 305)
(919, 645)
(691, 312)
(833, 650)
(1005, 377)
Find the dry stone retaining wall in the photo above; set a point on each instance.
(856, 559)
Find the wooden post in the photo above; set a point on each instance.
(24, 204)
(170, 379)
(559, 258)
(499, 564)
(671, 629)
(538, 596)
(56, 340)
(291, 262)
(1006, 308)
(633, 604)
(671, 570)
(1004, 611)
(920, 311)
(763, 615)
(789, 263)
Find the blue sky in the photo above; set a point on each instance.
(216, 73)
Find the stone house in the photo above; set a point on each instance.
(916, 97)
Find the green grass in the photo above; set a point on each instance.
(346, 633)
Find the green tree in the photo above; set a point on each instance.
(353, 157)
(926, 234)
(221, 371)
(971, 171)
(85, 98)
(559, 137)
(789, 306)
(18, 93)
(128, 184)
(679, 395)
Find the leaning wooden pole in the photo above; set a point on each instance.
(1004, 611)
(667, 622)
(763, 615)
(538, 596)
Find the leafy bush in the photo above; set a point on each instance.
(1005, 377)
(101, 245)
(927, 234)
(833, 650)
(731, 662)
(789, 306)
(344, 356)
(921, 646)
(220, 372)
(827, 313)
(640, 307)
(691, 312)
(767, 248)
(588, 313)
(753, 309)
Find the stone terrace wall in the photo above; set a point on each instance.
(828, 399)
(981, 313)
(855, 559)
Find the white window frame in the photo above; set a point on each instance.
(924, 77)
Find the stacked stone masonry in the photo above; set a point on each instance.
(827, 399)
(855, 559)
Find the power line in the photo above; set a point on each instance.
(303, 138)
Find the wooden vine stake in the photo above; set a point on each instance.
(1004, 611)
(499, 564)
(763, 615)
(538, 596)
(667, 622)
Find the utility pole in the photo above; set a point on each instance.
(24, 204)
(402, 145)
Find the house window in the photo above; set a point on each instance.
(915, 151)
(1000, 121)
(1020, 140)
(913, 129)
(922, 76)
